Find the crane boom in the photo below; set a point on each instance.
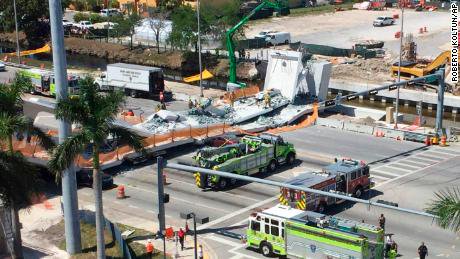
(232, 31)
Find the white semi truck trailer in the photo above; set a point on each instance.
(134, 80)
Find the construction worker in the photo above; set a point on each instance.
(267, 99)
(162, 97)
(197, 105)
(392, 254)
(422, 251)
(382, 221)
(149, 248)
(130, 113)
(158, 107)
(163, 106)
(232, 99)
(200, 252)
(181, 238)
(190, 103)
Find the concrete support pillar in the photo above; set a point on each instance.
(430, 107)
(454, 110)
(361, 98)
(384, 100)
(372, 99)
(406, 103)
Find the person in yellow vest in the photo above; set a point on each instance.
(158, 108)
(267, 99)
(190, 103)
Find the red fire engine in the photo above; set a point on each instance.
(345, 176)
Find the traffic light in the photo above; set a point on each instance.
(166, 198)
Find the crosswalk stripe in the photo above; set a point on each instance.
(446, 151)
(441, 153)
(415, 164)
(379, 177)
(404, 164)
(420, 161)
(384, 172)
(428, 157)
(398, 168)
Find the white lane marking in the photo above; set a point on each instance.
(133, 206)
(418, 163)
(442, 153)
(446, 151)
(401, 176)
(194, 203)
(410, 166)
(385, 173)
(398, 168)
(233, 244)
(424, 163)
(238, 212)
(379, 177)
(430, 157)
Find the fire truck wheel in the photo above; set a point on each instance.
(358, 192)
(233, 181)
(266, 249)
(290, 158)
(223, 183)
(321, 208)
(272, 166)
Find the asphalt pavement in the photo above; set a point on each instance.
(391, 163)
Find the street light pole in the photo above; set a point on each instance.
(194, 235)
(18, 51)
(199, 47)
(399, 65)
(108, 20)
(69, 183)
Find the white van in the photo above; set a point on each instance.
(109, 12)
(276, 38)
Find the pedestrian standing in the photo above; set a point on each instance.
(422, 251)
(200, 252)
(181, 238)
(382, 221)
(187, 230)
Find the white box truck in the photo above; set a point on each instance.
(134, 80)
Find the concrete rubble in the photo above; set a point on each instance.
(286, 78)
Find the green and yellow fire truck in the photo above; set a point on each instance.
(251, 155)
(294, 233)
(43, 81)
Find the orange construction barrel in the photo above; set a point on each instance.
(121, 192)
(149, 247)
(443, 140)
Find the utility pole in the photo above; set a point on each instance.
(18, 51)
(440, 107)
(108, 20)
(399, 65)
(161, 205)
(69, 183)
(199, 47)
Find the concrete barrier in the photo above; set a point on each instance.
(330, 123)
(358, 128)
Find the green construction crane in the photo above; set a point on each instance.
(229, 35)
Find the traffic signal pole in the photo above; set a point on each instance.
(69, 183)
(161, 205)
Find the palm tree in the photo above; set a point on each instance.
(95, 114)
(12, 121)
(446, 206)
(19, 182)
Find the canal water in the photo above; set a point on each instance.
(96, 63)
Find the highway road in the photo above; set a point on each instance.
(392, 163)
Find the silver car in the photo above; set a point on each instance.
(2, 66)
(383, 21)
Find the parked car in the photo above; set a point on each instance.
(2, 66)
(277, 38)
(85, 178)
(383, 21)
(85, 25)
(263, 34)
(109, 12)
(66, 23)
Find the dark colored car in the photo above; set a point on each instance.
(85, 178)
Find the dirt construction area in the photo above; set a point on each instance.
(345, 28)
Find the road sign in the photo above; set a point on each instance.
(373, 92)
(351, 97)
(392, 87)
(329, 103)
